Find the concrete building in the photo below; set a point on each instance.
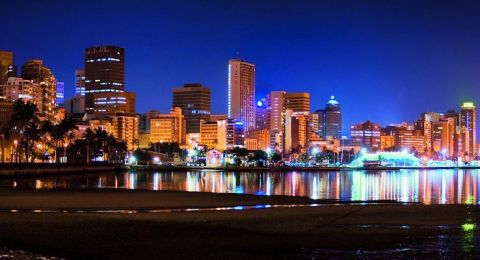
(169, 128)
(105, 81)
(6, 61)
(75, 105)
(148, 116)
(60, 95)
(194, 100)
(443, 136)
(112, 102)
(262, 114)
(298, 102)
(330, 120)
(241, 92)
(366, 135)
(125, 128)
(80, 82)
(209, 135)
(262, 137)
(35, 71)
(468, 122)
(296, 125)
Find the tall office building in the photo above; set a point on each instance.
(241, 92)
(125, 128)
(35, 71)
(105, 81)
(468, 122)
(60, 95)
(330, 120)
(366, 135)
(168, 128)
(6, 60)
(194, 100)
(262, 112)
(298, 102)
(79, 82)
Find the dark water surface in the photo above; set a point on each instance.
(423, 186)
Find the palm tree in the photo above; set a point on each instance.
(24, 116)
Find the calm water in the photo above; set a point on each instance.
(428, 187)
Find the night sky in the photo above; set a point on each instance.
(384, 60)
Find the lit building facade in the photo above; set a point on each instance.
(6, 61)
(366, 135)
(209, 135)
(60, 95)
(35, 71)
(298, 102)
(262, 117)
(468, 122)
(105, 81)
(330, 120)
(80, 82)
(241, 92)
(125, 128)
(194, 100)
(443, 136)
(169, 128)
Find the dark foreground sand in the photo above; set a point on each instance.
(327, 231)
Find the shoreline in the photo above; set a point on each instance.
(256, 233)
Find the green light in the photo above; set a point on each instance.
(468, 105)
(470, 200)
(468, 227)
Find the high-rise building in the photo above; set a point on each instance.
(60, 95)
(330, 120)
(298, 102)
(262, 117)
(277, 119)
(194, 100)
(241, 92)
(231, 134)
(35, 71)
(468, 122)
(209, 135)
(366, 135)
(148, 116)
(425, 126)
(125, 128)
(80, 82)
(6, 62)
(168, 128)
(75, 105)
(443, 136)
(296, 124)
(105, 81)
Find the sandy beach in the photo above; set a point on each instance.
(380, 230)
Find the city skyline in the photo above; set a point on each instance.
(324, 61)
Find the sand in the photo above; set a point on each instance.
(327, 231)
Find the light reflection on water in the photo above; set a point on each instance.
(424, 186)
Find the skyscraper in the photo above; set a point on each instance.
(367, 135)
(35, 71)
(6, 60)
(241, 92)
(298, 102)
(60, 95)
(80, 82)
(105, 81)
(262, 112)
(330, 120)
(194, 100)
(468, 121)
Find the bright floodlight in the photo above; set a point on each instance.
(132, 159)
(269, 150)
(314, 150)
(156, 159)
(363, 150)
(405, 150)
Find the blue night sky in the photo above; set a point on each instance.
(384, 60)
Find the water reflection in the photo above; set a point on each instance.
(425, 186)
